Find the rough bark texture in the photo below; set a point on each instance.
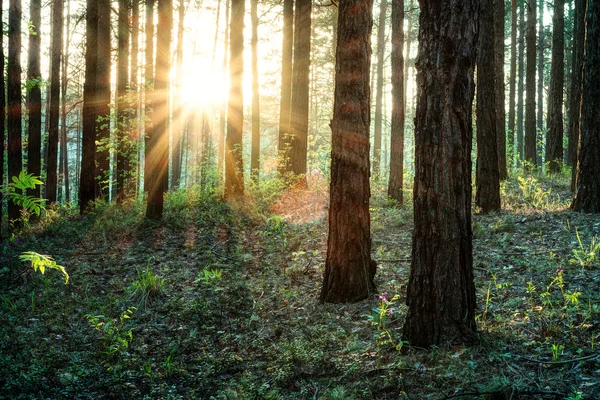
(34, 97)
(255, 155)
(285, 102)
(13, 96)
(149, 86)
(500, 118)
(87, 184)
(158, 152)
(487, 178)
(512, 84)
(554, 137)
(398, 107)
(540, 83)
(234, 168)
(349, 270)
(521, 86)
(576, 79)
(54, 112)
(530, 131)
(441, 292)
(587, 194)
(123, 145)
(379, 97)
(103, 131)
(300, 87)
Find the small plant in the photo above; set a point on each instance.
(41, 262)
(583, 256)
(21, 183)
(533, 193)
(557, 350)
(380, 318)
(210, 277)
(115, 337)
(147, 285)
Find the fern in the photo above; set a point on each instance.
(41, 262)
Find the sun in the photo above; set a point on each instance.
(201, 86)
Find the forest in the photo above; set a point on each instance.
(300, 199)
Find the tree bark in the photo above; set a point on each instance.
(64, 154)
(148, 86)
(286, 85)
(512, 84)
(587, 194)
(158, 153)
(123, 145)
(500, 118)
(349, 270)
(234, 167)
(134, 131)
(2, 118)
(34, 98)
(396, 181)
(530, 131)
(521, 86)
(554, 138)
(87, 184)
(300, 87)
(487, 180)
(379, 89)
(540, 85)
(255, 155)
(441, 292)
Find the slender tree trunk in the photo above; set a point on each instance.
(540, 85)
(255, 156)
(87, 184)
(2, 119)
(407, 59)
(576, 80)
(53, 117)
(521, 87)
(300, 85)
(500, 119)
(123, 145)
(177, 104)
(487, 179)
(349, 269)
(103, 107)
(396, 180)
(223, 116)
(512, 83)
(441, 292)
(134, 130)
(148, 87)
(158, 153)
(379, 98)
(587, 194)
(34, 98)
(234, 167)
(65, 83)
(286, 85)
(530, 131)
(15, 161)
(554, 138)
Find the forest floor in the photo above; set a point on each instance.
(221, 301)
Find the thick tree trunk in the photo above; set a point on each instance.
(300, 86)
(379, 89)
(500, 118)
(13, 96)
(512, 84)
(148, 86)
(487, 180)
(34, 96)
(87, 184)
(177, 103)
(521, 86)
(158, 153)
(441, 292)
(576, 79)
(54, 114)
(103, 87)
(64, 154)
(396, 180)
(530, 131)
(234, 167)
(286, 85)
(255, 155)
(587, 194)
(554, 138)
(349, 270)
(540, 84)
(123, 145)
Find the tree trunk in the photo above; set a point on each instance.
(349, 270)
(540, 85)
(158, 153)
(13, 95)
(300, 85)
(64, 153)
(396, 180)
(530, 131)
(234, 168)
(379, 98)
(587, 194)
(148, 87)
(500, 118)
(34, 98)
(255, 156)
(512, 84)
(223, 116)
(576, 79)
(487, 179)
(2, 120)
(123, 145)
(177, 104)
(134, 130)
(554, 138)
(103, 87)
(87, 184)
(521, 87)
(286, 85)
(441, 292)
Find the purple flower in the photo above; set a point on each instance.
(383, 297)
(390, 312)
